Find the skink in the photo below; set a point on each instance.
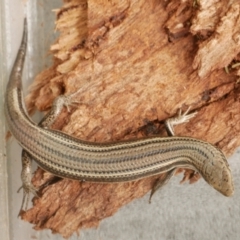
(69, 157)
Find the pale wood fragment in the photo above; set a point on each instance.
(222, 47)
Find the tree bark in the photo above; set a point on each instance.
(134, 63)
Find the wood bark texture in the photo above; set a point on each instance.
(134, 63)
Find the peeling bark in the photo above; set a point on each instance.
(134, 64)
(220, 49)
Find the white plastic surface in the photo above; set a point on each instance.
(177, 211)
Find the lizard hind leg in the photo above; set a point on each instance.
(58, 104)
(26, 176)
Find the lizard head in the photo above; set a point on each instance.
(217, 173)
